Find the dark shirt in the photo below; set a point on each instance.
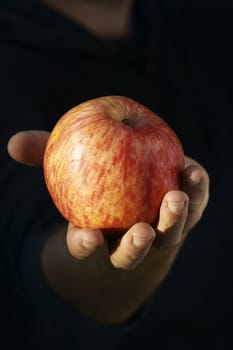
(178, 62)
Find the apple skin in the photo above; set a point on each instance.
(108, 163)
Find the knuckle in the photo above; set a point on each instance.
(79, 253)
(116, 263)
(132, 256)
(127, 263)
(194, 207)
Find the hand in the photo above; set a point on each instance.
(180, 210)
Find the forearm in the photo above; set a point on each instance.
(96, 288)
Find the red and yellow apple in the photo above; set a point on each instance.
(108, 163)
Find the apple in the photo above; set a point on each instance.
(108, 163)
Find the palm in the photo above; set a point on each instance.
(28, 148)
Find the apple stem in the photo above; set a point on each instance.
(126, 121)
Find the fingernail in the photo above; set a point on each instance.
(195, 177)
(176, 207)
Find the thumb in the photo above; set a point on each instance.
(28, 147)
